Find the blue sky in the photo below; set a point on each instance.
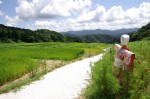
(66, 15)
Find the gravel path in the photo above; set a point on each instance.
(66, 82)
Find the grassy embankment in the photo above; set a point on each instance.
(19, 59)
(136, 86)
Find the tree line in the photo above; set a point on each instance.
(142, 34)
(13, 34)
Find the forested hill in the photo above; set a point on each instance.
(142, 33)
(103, 38)
(13, 34)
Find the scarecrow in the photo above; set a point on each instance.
(124, 58)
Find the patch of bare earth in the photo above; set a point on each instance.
(53, 64)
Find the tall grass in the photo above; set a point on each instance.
(40, 53)
(139, 85)
(135, 86)
(13, 67)
(103, 84)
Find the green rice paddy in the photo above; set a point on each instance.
(17, 59)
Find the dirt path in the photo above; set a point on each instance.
(63, 83)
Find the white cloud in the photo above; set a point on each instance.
(95, 15)
(1, 2)
(11, 21)
(1, 13)
(54, 11)
(85, 19)
(25, 10)
(145, 10)
(137, 15)
(52, 25)
(115, 13)
(50, 8)
(78, 6)
(115, 17)
(100, 14)
(132, 13)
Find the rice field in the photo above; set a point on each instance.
(17, 59)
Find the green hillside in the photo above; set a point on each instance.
(100, 38)
(141, 34)
(13, 34)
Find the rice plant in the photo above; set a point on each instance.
(17, 59)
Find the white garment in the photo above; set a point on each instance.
(126, 60)
(118, 62)
(117, 47)
(127, 57)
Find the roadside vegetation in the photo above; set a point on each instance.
(104, 85)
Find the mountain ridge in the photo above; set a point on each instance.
(118, 32)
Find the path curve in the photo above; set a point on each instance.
(66, 82)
